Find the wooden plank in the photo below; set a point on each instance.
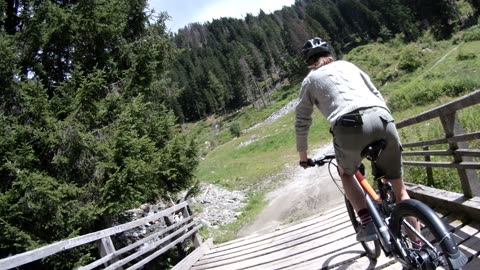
(291, 254)
(394, 266)
(461, 165)
(270, 243)
(453, 139)
(462, 234)
(275, 238)
(464, 137)
(460, 103)
(452, 222)
(291, 227)
(427, 153)
(117, 253)
(446, 199)
(425, 143)
(468, 152)
(152, 246)
(267, 248)
(327, 250)
(471, 246)
(365, 263)
(164, 249)
(193, 257)
(36, 254)
(256, 238)
(473, 265)
(345, 257)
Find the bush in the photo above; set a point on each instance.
(465, 56)
(410, 59)
(472, 34)
(235, 129)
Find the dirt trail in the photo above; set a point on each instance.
(305, 193)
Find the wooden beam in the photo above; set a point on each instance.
(468, 178)
(427, 153)
(40, 253)
(193, 257)
(162, 250)
(461, 165)
(446, 199)
(455, 105)
(464, 137)
(152, 246)
(468, 152)
(461, 152)
(425, 143)
(106, 247)
(110, 256)
(453, 139)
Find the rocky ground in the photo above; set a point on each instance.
(218, 206)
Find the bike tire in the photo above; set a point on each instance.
(372, 248)
(433, 230)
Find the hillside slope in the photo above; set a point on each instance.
(303, 193)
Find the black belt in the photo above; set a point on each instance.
(353, 119)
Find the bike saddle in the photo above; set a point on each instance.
(372, 151)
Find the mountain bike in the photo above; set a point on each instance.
(430, 248)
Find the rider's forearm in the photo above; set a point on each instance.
(303, 155)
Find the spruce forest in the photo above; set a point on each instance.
(94, 94)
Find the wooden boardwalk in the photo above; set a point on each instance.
(325, 241)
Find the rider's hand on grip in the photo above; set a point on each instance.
(308, 163)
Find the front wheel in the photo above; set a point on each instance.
(372, 248)
(424, 238)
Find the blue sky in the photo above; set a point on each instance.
(188, 11)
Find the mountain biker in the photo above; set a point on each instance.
(358, 116)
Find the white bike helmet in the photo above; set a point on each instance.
(315, 46)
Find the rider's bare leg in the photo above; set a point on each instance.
(353, 190)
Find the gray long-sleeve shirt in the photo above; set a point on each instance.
(336, 89)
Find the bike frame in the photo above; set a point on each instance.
(372, 199)
(388, 218)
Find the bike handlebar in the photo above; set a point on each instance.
(322, 161)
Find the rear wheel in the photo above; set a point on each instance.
(432, 247)
(372, 248)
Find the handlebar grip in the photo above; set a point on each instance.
(311, 163)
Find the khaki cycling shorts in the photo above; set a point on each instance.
(350, 141)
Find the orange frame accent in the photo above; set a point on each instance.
(366, 186)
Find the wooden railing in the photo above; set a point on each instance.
(158, 242)
(462, 156)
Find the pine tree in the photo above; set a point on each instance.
(84, 127)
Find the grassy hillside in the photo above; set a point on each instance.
(413, 78)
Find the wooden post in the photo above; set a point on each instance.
(105, 245)
(170, 221)
(429, 170)
(196, 238)
(468, 178)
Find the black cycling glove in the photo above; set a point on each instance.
(308, 163)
